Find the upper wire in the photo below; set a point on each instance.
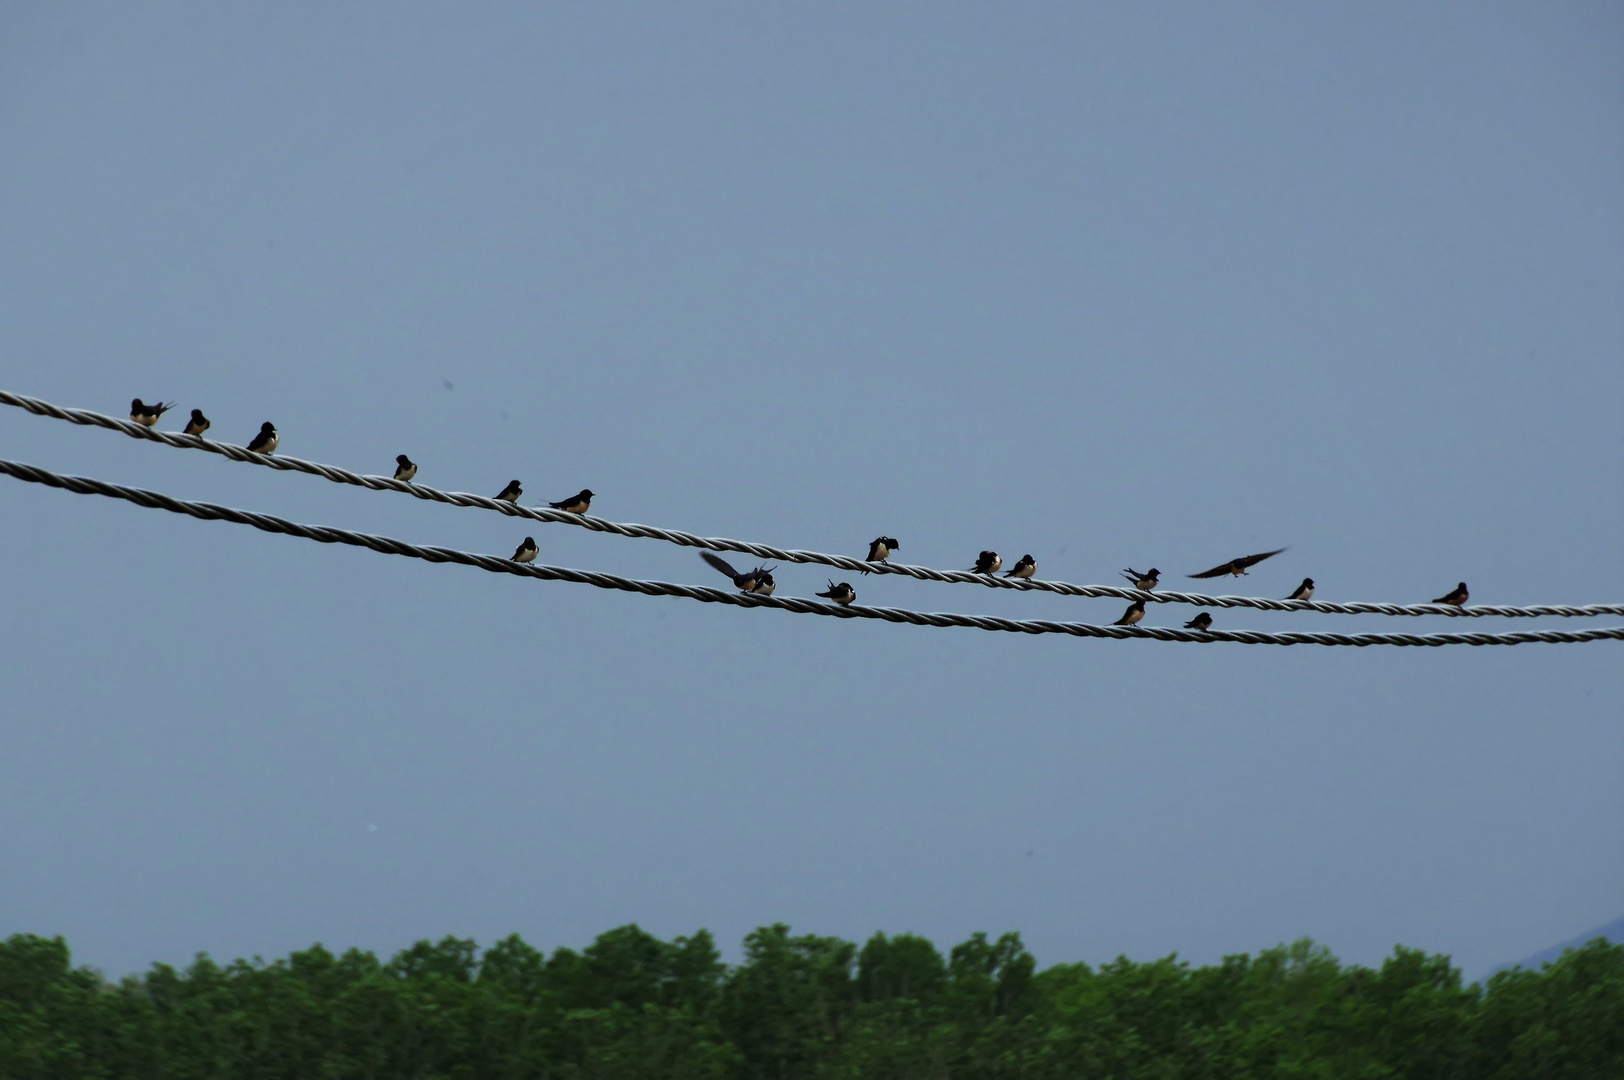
(766, 551)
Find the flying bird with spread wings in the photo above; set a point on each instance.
(1237, 567)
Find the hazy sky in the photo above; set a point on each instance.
(1115, 285)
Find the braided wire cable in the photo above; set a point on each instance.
(388, 546)
(764, 551)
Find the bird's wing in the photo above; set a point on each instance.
(1217, 571)
(1253, 560)
(719, 563)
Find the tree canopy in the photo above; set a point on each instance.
(802, 1006)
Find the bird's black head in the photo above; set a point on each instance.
(1153, 572)
(586, 493)
(530, 541)
(890, 542)
(1308, 582)
(197, 415)
(402, 459)
(136, 405)
(267, 428)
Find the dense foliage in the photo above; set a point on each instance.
(632, 1005)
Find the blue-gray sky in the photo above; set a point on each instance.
(1114, 285)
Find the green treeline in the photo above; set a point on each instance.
(631, 1005)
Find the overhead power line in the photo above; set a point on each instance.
(388, 546)
(764, 551)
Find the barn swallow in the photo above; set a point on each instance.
(198, 424)
(842, 594)
(751, 582)
(511, 493)
(1146, 581)
(1025, 567)
(575, 504)
(526, 551)
(265, 442)
(764, 583)
(1305, 591)
(405, 468)
(987, 562)
(147, 415)
(881, 548)
(1200, 622)
(1455, 598)
(1135, 612)
(1238, 567)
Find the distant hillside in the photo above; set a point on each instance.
(1613, 932)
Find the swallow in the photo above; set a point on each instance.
(987, 562)
(842, 594)
(1305, 591)
(1238, 567)
(575, 504)
(526, 551)
(1146, 581)
(198, 424)
(1025, 567)
(1456, 597)
(511, 493)
(147, 415)
(752, 582)
(1200, 622)
(881, 548)
(405, 468)
(265, 442)
(1135, 612)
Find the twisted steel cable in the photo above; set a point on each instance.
(386, 545)
(764, 551)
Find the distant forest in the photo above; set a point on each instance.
(633, 1006)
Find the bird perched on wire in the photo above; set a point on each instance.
(880, 549)
(1237, 567)
(1135, 612)
(1305, 591)
(1200, 622)
(987, 562)
(575, 504)
(510, 493)
(1024, 567)
(267, 439)
(405, 468)
(198, 424)
(759, 580)
(526, 551)
(842, 594)
(1456, 597)
(147, 415)
(1146, 581)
